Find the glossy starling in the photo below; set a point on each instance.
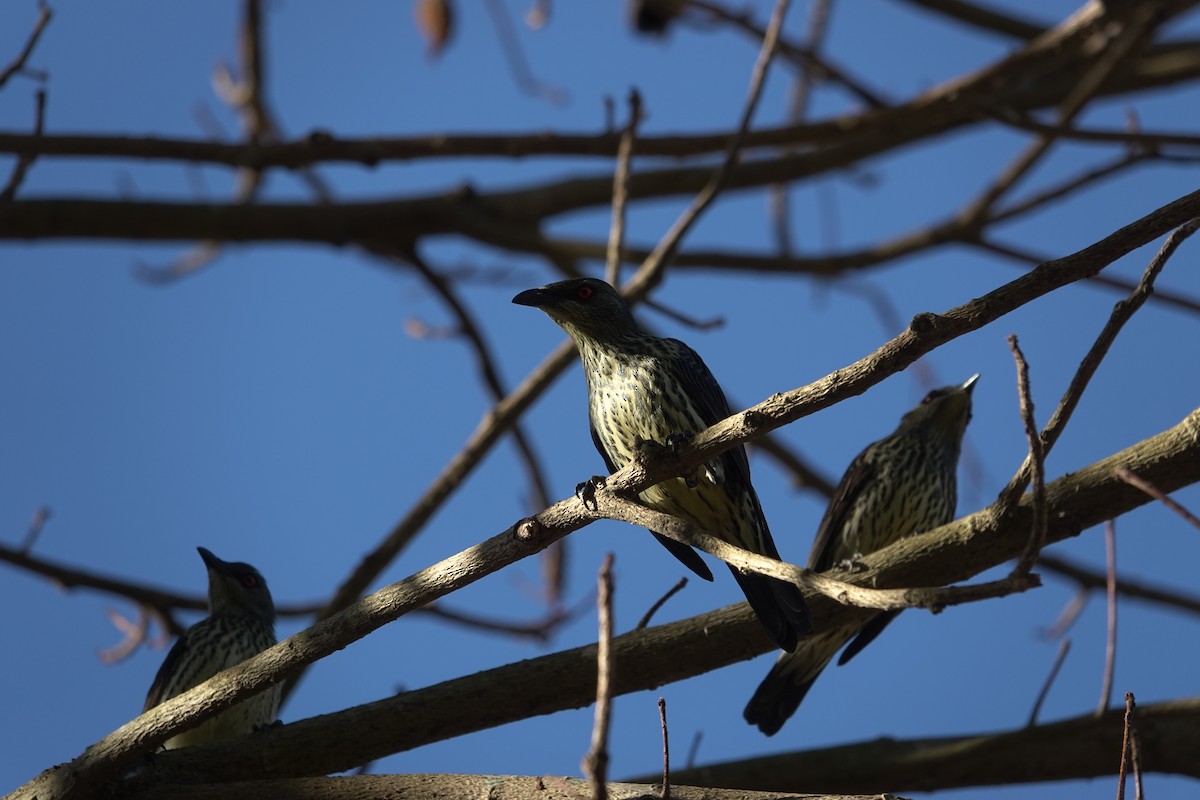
(644, 388)
(240, 624)
(898, 486)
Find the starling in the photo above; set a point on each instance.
(240, 624)
(645, 388)
(898, 486)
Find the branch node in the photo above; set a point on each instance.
(528, 529)
(924, 323)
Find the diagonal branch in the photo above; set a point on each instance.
(106, 759)
(45, 13)
(646, 658)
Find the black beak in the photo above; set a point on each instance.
(531, 297)
(969, 383)
(211, 561)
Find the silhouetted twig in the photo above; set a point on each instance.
(595, 763)
(1063, 648)
(1110, 641)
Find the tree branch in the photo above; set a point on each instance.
(1082, 747)
(644, 659)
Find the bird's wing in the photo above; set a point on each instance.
(608, 462)
(868, 634)
(702, 388)
(858, 474)
(176, 654)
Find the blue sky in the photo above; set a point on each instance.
(273, 408)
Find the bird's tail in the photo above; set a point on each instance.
(779, 605)
(780, 693)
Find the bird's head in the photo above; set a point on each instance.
(943, 412)
(236, 588)
(586, 308)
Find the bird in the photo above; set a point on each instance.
(646, 388)
(240, 624)
(898, 486)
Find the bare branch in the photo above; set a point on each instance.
(1152, 490)
(1036, 458)
(25, 161)
(1081, 746)
(17, 65)
(1092, 580)
(660, 602)
(979, 16)
(616, 236)
(595, 763)
(36, 526)
(1063, 648)
(666, 745)
(1110, 646)
(1117, 48)
(1121, 314)
(107, 758)
(515, 57)
(645, 659)
(650, 273)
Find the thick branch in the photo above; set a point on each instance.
(1045, 72)
(449, 787)
(109, 756)
(651, 657)
(1080, 747)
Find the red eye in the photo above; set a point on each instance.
(584, 292)
(249, 581)
(929, 398)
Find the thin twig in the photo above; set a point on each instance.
(1037, 536)
(25, 160)
(666, 749)
(1121, 314)
(651, 270)
(1088, 86)
(803, 475)
(1134, 745)
(660, 602)
(978, 16)
(133, 635)
(36, 525)
(162, 602)
(1134, 480)
(1063, 648)
(1121, 770)
(1089, 579)
(595, 763)
(1070, 612)
(18, 64)
(608, 504)
(485, 362)
(616, 237)
(514, 56)
(1026, 257)
(778, 195)
(246, 95)
(693, 750)
(798, 54)
(1110, 645)
(683, 319)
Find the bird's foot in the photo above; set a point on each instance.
(586, 491)
(712, 470)
(852, 564)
